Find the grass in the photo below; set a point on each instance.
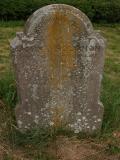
(110, 93)
(8, 89)
(7, 32)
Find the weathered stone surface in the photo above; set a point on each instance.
(58, 61)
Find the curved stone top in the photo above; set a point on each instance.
(38, 16)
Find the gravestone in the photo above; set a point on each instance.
(58, 61)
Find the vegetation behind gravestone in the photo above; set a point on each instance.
(96, 10)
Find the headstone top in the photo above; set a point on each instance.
(58, 10)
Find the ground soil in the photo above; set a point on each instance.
(62, 148)
(74, 149)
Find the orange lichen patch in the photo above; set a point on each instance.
(60, 49)
(57, 115)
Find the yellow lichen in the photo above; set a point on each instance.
(58, 112)
(60, 49)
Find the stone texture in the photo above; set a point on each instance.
(58, 62)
